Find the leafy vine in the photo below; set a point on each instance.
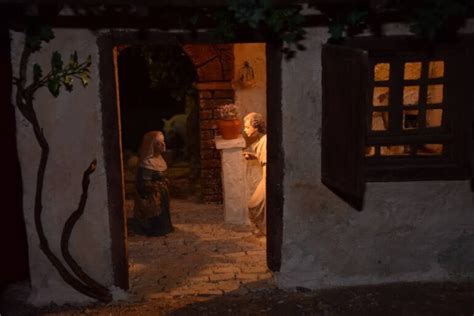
(59, 75)
(428, 20)
(437, 19)
(249, 16)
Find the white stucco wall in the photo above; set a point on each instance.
(407, 231)
(73, 127)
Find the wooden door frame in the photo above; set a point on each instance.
(112, 143)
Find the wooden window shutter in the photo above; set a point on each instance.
(459, 97)
(467, 67)
(344, 83)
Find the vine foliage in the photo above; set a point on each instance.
(429, 20)
(249, 16)
(437, 19)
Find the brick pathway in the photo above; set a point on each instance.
(202, 257)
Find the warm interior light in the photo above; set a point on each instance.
(414, 115)
(412, 71)
(382, 72)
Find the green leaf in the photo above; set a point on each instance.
(53, 86)
(37, 72)
(33, 42)
(36, 34)
(357, 17)
(89, 61)
(46, 33)
(267, 4)
(289, 37)
(68, 83)
(73, 60)
(56, 62)
(84, 78)
(337, 31)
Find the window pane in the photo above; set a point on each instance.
(380, 121)
(436, 69)
(435, 94)
(434, 118)
(411, 95)
(369, 151)
(381, 96)
(430, 149)
(410, 119)
(396, 150)
(412, 71)
(382, 72)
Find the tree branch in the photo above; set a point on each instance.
(24, 101)
(66, 235)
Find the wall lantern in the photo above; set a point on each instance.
(246, 76)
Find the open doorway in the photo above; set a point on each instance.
(157, 93)
(166, 88)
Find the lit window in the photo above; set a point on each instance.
(392, 114)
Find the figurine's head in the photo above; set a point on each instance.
(152, 141)
(254, 123)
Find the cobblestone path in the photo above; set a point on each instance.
(202, 257)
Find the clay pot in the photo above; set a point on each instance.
(229, 129)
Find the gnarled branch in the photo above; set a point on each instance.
(85, 284)
(66, 235)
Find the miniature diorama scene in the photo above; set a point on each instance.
(237, 157)
(193, 132)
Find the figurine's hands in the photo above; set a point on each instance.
(249, 155)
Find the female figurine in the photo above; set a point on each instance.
(254, 126)
(152, 203)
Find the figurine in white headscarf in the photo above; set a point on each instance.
(152, 207)
(254, 126)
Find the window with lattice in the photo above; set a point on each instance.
(392, 112)
(407, 101)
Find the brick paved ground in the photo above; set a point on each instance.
(202, 257)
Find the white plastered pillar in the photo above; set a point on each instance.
(234, 182)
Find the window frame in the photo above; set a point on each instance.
(454, 132)
(344, 167)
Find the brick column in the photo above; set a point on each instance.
(211, 96)
(215, 67)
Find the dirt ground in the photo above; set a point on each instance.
(207, 267)
(394, 299)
